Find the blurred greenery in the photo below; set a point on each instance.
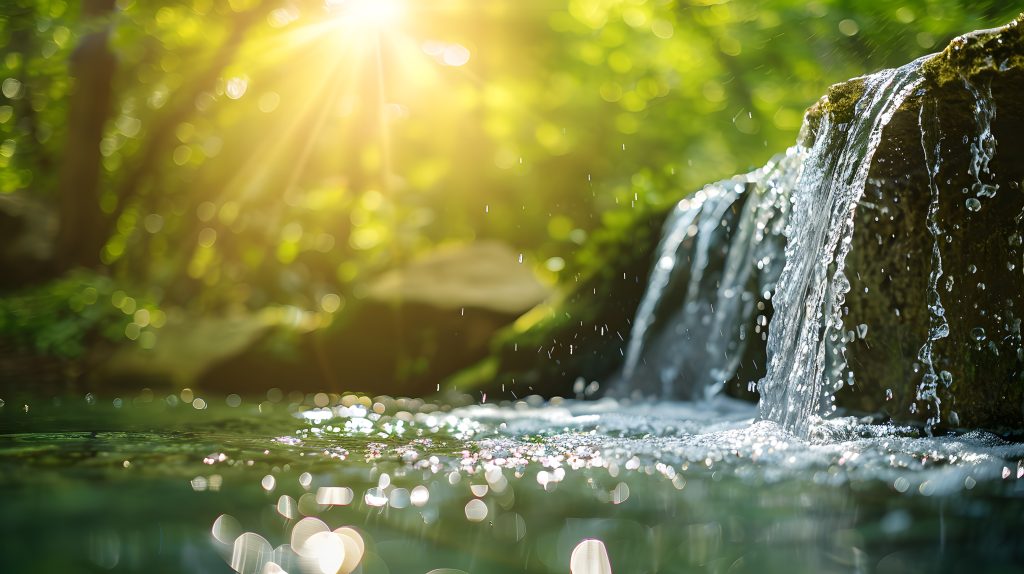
(264, 152)
(61, 318)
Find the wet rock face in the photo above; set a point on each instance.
(925, 283)
(953, 278)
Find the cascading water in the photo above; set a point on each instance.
(938, 328)
(721, 262)
(690, 352)
(721, 250)
(805, 353)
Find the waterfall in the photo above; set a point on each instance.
(938, 328)
(721, 262)
(716, 264)
(805, 350)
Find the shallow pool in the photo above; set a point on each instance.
(202, 484)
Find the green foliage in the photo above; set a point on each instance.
(64, 317)
(37, 40)
(263, 152)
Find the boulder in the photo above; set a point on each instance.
(932, 317)
(945, 284)
(401, 334)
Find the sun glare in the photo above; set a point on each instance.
(369, 13)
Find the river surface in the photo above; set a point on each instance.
(184, 483)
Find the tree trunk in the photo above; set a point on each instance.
(92, 68)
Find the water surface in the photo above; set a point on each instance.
(155, 484)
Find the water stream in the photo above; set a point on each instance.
(796, 227)
(717, 264)
(155, 484)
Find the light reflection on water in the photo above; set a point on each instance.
(387, 485)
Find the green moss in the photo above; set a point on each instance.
(839, 103)
(983, 51)
(842, 98)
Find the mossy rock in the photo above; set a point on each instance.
(886, 313)
(979, 366)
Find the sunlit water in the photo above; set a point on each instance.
(384, 485)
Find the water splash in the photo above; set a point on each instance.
(721, 250)
(805, 351)
(938, 328)
(983, 149)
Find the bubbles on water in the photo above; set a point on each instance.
(226, 529)
(287, 507)
(334, 495)
(476, 510)
(590, 557)
(901, 484)
(268, 483)
(375, 497)
(249, 553)
(303, 532)
(620, 493)
(327, 549)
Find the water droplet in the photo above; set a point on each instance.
(268, 483)
(901, 484)
(888, 394)
(334, 496)
(842, 284)
(972, 269)
(90, 399)
(590, 557)
(476, 510)
(419, 496)
(946, 377)
(249, 553)
(978, 334)
(973, 204)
